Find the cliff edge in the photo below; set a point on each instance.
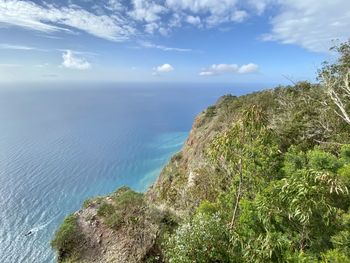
(260, 129)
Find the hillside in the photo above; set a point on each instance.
(262, 178)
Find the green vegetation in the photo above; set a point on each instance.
(125, 208)
(68, 240)
(92, 201)
(210, 112)
(285, 161)
(203, 239)
(106, 209)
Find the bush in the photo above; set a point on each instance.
(335, 256)
(321, 160)
(68, 239)
(207, 208)
(126, 198)
(114, 221)
(203, 239)
(210, 112)
(105, 209)
(126, 208)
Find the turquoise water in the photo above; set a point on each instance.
(59, 146)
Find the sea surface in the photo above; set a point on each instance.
(61, 144)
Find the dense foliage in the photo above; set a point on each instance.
(286, 162)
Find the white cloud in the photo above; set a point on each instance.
(260, 5)
(72, 61)
(114, 5)
(220, 69)
(163, 69)
(175, 20)
(164, 48)
(16, 47)
(77, 52)
(311, 24)
(224, 68)
(151, 28)
(248, 68)
(194, 20)
(196, 6)
(50, 19)
(211, 13)
(164, 31)
(145, 10)
(207, 73)
(239, 16)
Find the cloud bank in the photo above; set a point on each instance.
(220, 69)
(310, 24)
(48, 18)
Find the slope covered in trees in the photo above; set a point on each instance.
(263, 177)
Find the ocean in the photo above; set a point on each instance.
(61, 144)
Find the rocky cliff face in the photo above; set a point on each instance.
(127, 242)
(177, 186)
(188, 178)
(127, 226)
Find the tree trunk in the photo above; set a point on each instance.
(238, 195)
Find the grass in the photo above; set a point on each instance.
(68, 239)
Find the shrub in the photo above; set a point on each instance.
(127, 208)
(210, 112)
(207, 208)
(203, 239)
(321, 160)
(126, 198)
(105, 209)
(345, 153)
(335, 256)
(114, 221)
(68, 239)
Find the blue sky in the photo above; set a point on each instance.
(251, 41)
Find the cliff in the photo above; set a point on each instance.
(135, 227)
(131, 231)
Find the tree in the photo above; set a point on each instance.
(242, 151)
(336, 80)
(294, 218)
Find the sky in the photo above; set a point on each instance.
(241, 41)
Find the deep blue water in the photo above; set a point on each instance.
(59, 146)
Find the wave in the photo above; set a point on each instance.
(38, 228)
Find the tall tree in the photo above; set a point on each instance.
(336, 80)
(241, 151)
